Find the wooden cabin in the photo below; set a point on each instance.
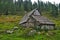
(34, 19)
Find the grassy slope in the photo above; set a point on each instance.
(8, 22)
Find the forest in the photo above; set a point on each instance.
(11, 12)
(11, 7)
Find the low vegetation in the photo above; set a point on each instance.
(8, 22)
(9, 11)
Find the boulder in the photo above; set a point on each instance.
(32, 32)
(39, 33)
(50, 33)
(9, 31)
(15, 28)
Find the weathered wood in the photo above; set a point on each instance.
(34, 19)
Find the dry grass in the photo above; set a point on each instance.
(9, 18)
(8, 22)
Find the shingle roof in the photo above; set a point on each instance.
(26, 17)
(42, 20)
(37, 17)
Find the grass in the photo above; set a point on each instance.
(16, 36)
(8, 22)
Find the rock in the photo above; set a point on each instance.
(9, 31)
(39, 33)
(47, 34)
(15, 28)
(50, 33)
(32, 32)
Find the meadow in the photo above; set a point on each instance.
(10, 21)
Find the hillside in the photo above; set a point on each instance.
(12, 11)
(8, 22)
